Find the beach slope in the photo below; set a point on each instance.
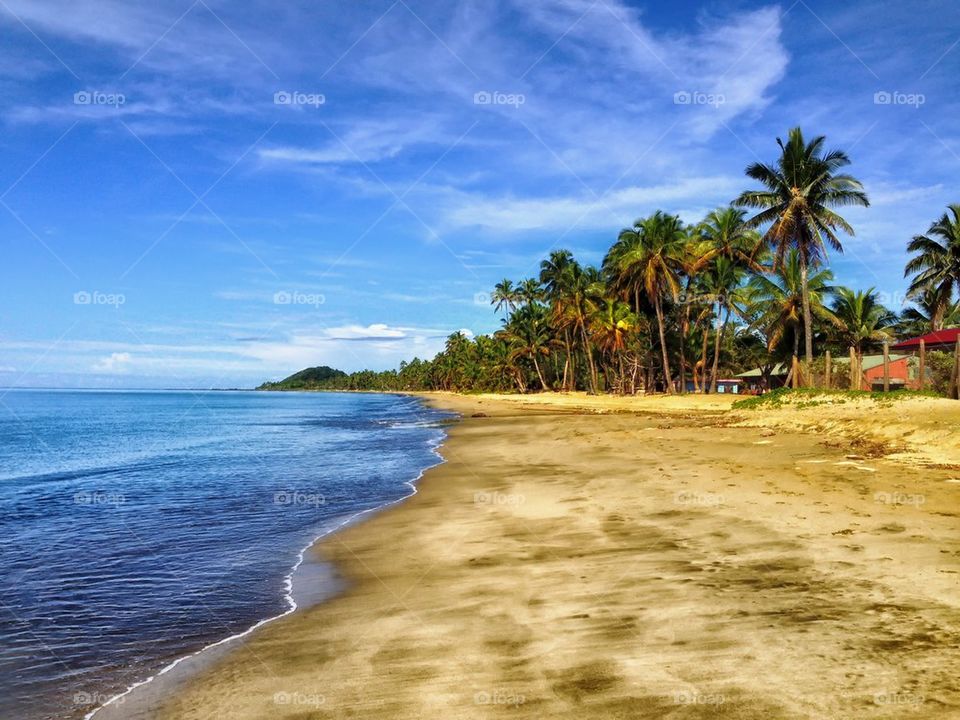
(567, 564)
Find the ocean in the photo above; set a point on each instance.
(140, 527)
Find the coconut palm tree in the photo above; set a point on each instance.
(556, 276)
(799, 192)
(528, 332)
(610, 327)
(779, 296)
(720, 282)
(860, 319)
(927, 314)
(530, 291)
(504, 296)
(936, 264)
(648, 258)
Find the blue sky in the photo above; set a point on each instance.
(205, 193)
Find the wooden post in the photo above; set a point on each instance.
(923, 364)
(826, 371)
(886, 366)
(955, 384)
(854, 375)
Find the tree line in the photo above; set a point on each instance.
(676, 305)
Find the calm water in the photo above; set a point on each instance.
(139, 526)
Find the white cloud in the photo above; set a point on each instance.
(117, 362)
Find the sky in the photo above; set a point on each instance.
(213, 194)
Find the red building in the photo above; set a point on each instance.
(945, 340)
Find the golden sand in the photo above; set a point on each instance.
(630, 558)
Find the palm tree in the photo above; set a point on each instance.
(936, 264)
(728, 233)
(504, 296)
(928, 315)
(721, 282)
(796, 202)
(528, 331)
(779, 298)
(647, 257)
(610, 328)
(860, 318)
(529, 291)
(556, 274)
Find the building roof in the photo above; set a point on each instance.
(940, 337)
(869, 363)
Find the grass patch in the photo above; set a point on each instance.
(813, 397)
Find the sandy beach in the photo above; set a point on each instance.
(635, 558)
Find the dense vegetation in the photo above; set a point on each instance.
(674, 302)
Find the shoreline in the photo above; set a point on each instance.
(116, 708)
(415, 662)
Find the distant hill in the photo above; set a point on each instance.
(314, 378)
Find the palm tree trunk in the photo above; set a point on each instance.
(663, 345)
(807, 319)
(536, 365)
(703, 358)
(590, 364)
(716, 351)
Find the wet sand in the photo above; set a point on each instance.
(564, 563)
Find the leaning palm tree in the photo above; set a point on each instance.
(936, 264)
(647, 257)
(860, 319)
(800, 191)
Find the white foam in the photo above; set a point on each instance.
(433, 444)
